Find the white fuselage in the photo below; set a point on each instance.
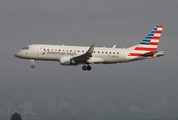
(75, 55)
(56, 52)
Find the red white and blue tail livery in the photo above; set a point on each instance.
(83, 55)
(148, 46)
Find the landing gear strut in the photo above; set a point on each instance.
(84, 68)
(33, 64)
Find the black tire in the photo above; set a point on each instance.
(32, 66)
(88, 68)
(84, 68)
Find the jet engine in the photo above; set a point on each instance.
(67, 61)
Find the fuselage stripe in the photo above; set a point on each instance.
(145, 49)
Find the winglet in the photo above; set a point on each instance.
(84, 57)
(90, 50)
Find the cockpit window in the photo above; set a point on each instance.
(25, 48)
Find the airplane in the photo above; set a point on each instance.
(83, 55)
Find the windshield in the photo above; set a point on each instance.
(25, 48)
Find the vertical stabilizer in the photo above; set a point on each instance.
(148, 44)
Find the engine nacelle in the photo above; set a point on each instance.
(67, 61)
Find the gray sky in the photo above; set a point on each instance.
(83, 22)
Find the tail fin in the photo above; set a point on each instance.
(153, 37)
(149, 43)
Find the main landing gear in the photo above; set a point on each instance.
(33, 63)
(84, 68)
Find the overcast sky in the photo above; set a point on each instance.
(84, 22)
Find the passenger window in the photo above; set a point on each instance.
(117, 52)
(109, 52)
(113, 52)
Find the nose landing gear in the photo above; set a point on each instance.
(32, 66)
(33, 63)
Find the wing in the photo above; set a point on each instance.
(84, 57)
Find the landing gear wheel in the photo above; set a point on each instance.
(32, 66)
(84, 68)
(88, 68)
(33, 63)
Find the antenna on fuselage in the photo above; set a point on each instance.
(114, 46)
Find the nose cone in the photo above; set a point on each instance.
(17, 55)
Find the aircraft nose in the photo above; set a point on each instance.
(17, 54)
